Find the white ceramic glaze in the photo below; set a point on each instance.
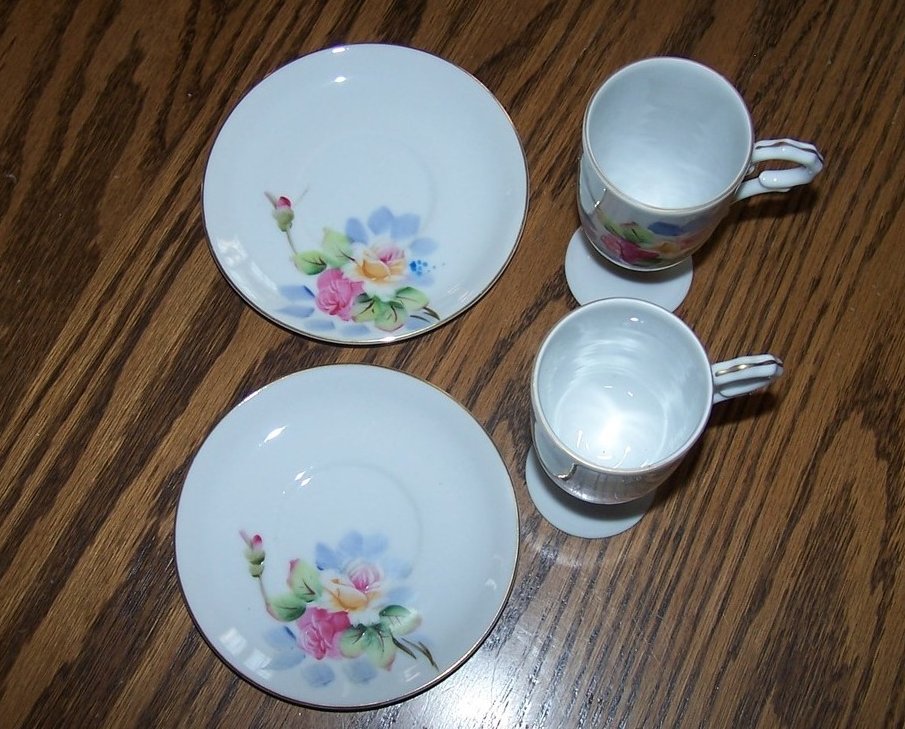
(590, 277)
(666, 146)
(621, 390)
(580, 518)
(346, 536)
(365, 193)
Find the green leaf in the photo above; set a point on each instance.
(304, 581)
(386, 315)
(372, 641)
(381, 648)
(399, 620)
(352, 642)
(310, 262)
(411, 298)
(286, 607)
(612, 227)
(391, 316)
(366, 308)
(337, 248)
(638, 235)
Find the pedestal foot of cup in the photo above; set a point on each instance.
(577, 517)
(591, 277)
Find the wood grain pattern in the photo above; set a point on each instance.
(766, 588)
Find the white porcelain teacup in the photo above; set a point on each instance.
(667, 144)
(621, 390)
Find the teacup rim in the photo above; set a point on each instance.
(541, 417)
(664, 212)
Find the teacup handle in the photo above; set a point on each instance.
(806, 156)
(742, 375)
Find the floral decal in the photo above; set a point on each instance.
(370, 275)
(343, 611)
(652, 246)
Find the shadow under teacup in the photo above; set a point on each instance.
(621, 391)
(667, 146)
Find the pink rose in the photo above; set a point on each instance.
(628, 252)
(336, 293)
(319, 632)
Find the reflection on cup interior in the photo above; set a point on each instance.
(669, 133)
(624, 387)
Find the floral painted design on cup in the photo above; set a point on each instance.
(655, 245)
(341, 613)
(372, 274)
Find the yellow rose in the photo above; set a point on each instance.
(378, 264)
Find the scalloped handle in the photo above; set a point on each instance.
(808, 159)
(744, 375)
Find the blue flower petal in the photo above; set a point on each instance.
(302, 312)
(282, 661)
(381, 220)
(356, 231)
(318, 674)
(351, 545)
(373, 545)
(661, 228)
(356, 330)
(286, 651)
(325, 558)
(280, 638)
(297, 293)
(360, 670)
(414, 323)
(423, 246)
(405, 226)
(321, 325)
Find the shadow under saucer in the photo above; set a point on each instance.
(591, 277)
(574, 516)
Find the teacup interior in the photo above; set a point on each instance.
(623, 386)
(669, 133)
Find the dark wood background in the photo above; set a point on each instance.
(766, 588)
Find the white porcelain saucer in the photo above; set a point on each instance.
(576, 517)
(591, 277)
(365, 193)
(346, 537)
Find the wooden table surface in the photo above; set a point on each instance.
(766, 586)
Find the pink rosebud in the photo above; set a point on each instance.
(254, 553)
(282, 211)
(252, 542)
